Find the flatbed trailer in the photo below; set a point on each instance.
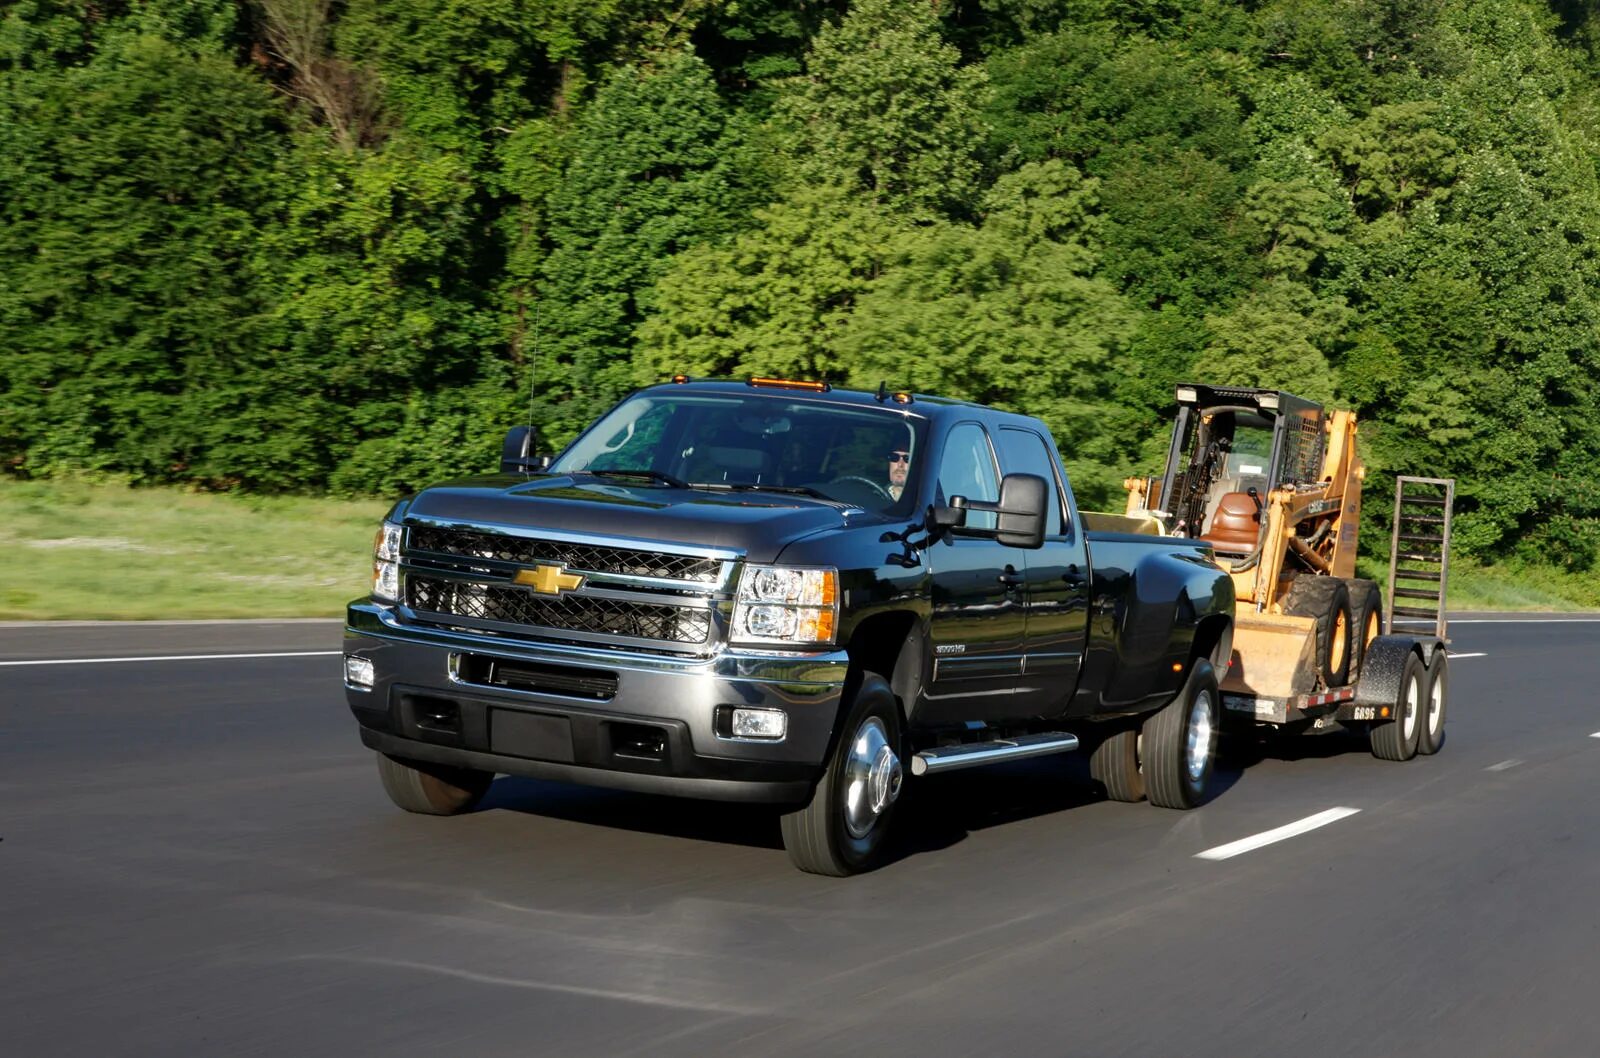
(1273, 482)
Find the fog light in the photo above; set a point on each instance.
(358, 672)
(760, 723)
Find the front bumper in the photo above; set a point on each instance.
(631, 721)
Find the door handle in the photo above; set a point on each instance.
(1074, 576)
(1011, 578)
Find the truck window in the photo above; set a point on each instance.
(967, 469)
(1025, 452)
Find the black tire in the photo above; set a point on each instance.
(1430, 731)
(1169, 777)
(1115, 765)
(432, 789)
(819, 837)
(1327, 601)
(1366, 609)
(1397, 738)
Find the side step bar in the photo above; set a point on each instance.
(977, 754)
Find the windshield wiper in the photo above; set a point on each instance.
(654, 475)
(745, 486)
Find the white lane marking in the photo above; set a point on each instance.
(1595, 735)
(177, 657)
(1524, 620)
(1505, 765)
(1480, 654)
(1283, 833)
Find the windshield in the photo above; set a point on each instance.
(735, 442)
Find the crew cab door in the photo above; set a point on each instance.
(1056, 589)
(977, 621)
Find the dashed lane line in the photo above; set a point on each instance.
(1479, 654)
(1505, 765)
(174, 657)
(1269, 837)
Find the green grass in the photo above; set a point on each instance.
(81, 550)
(1508, 586)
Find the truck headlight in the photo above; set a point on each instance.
(786, 605)
(386, 563)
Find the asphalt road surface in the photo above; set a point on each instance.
(196, 859)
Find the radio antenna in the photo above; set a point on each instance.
(533, 369)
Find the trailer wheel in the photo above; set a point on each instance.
(1327, 600)
(1366, 607)
(1397, 738)
(432, 789)
(1430, 736)
(840, 831)
(1114, 764)
(1180, 742)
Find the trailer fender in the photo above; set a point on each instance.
(1384, 664)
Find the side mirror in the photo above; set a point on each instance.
(1021, 511)
(517, 455)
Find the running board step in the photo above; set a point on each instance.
(977, 754)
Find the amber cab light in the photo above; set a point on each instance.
(789, 383)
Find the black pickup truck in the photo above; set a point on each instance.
(781, 592)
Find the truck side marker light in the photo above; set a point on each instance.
(1384, 711)
(1177, 666)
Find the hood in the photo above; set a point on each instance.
(760, 524)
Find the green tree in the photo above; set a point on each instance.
(647, 178)
(132, 189)
(1008, 313)
(886, 110)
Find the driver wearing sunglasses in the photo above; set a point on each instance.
(899, 469)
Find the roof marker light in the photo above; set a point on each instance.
(789, 383)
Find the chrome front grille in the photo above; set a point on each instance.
(588, 558)
(624, 597)
(576, 613)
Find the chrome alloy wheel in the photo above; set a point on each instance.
(872, 778)
(1411, 707)
(1435, 706)
(1202, 736)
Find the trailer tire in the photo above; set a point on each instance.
(432, 789)
(1366, 607)
(1327, 601)
(1180, 742)
(1114, 764)
(1430, 735)
(1397, 739)
(840, 831)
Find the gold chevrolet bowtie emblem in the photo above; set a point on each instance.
(548, 580)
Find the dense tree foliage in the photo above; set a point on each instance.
(299, 245)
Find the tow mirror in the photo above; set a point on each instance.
(1021, 511)
(517, 455)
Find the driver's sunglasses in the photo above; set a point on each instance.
(899, 457)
